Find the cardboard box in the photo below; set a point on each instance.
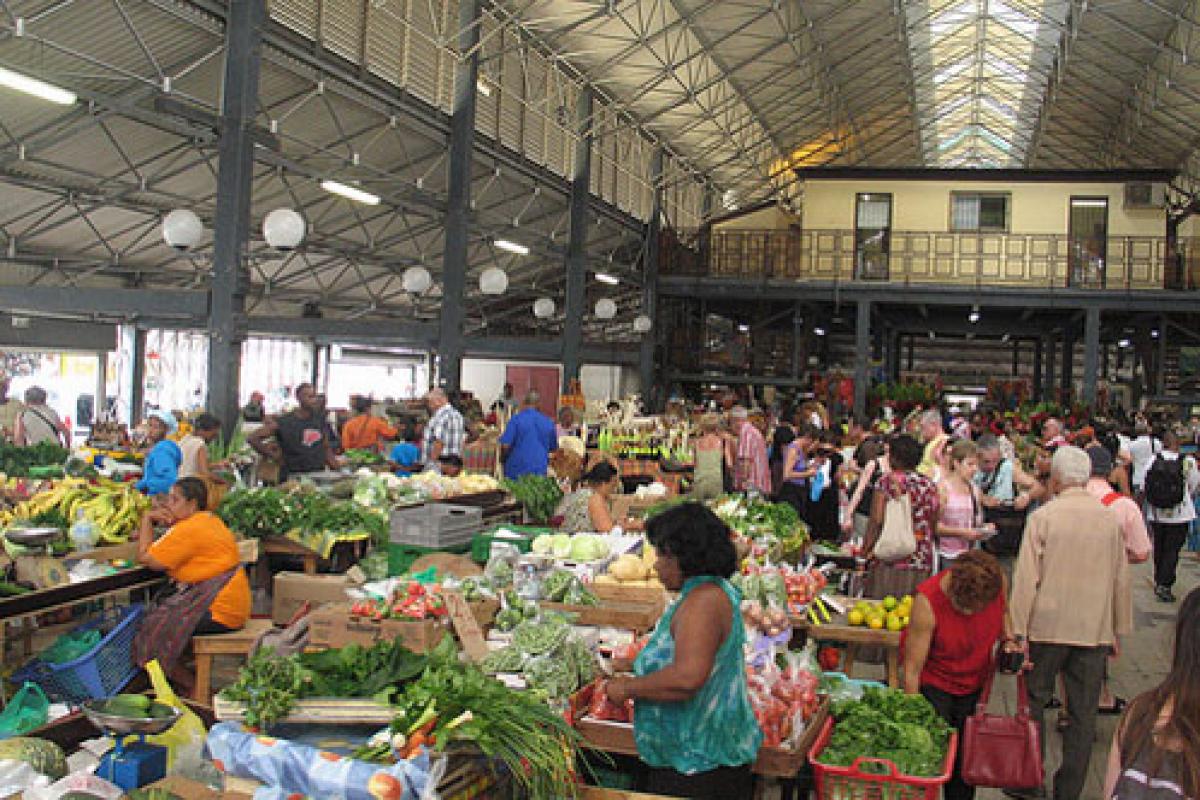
(333, 626)
(627, 505)
(293, 589)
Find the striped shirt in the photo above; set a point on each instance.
(753, 472)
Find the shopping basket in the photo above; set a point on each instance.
(102, 671)
(852, 783)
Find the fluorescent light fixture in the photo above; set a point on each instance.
(819, 331)
(350, 193)
(1154, 334)
(932, 335)
(604, 277)
(483, 87)
(41, 89)
(973, 317)
(1005, 338)
(1089, 203)
(512, 247)
(744, 328)
(1123, 343)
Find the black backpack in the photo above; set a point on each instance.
(1164, 483)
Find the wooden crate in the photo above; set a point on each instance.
(634, 616)
(630, 593)
(779, 762)
(317, 711)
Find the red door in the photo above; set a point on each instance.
(544, 380)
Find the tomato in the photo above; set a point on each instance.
(829, 658)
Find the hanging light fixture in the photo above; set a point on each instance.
(33, 86)
(493, 280)
(350, 192)
(182, 229)
(512, 247)
(284, 229)
(606, 309)
(543, 308)
(642, 323)
(416, 280)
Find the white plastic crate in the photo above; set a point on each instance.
(436, 525)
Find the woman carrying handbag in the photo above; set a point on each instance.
(958, 619)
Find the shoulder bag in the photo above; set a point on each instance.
(1002, 752)
(897, 539)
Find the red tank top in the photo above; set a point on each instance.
(960, 655)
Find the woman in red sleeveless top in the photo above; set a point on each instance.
(957, 620)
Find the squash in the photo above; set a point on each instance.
(628, 568)
(44, 756)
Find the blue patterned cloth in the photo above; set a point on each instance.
(716, 727)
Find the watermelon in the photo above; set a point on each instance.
(45, 757)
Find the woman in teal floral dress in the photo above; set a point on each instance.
(693, 723)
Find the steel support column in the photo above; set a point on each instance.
(137, 374)
(1068, 362)
(1091, 354)
(1048, 362)
(1038, 350)
(458, 199)
(799, 348)
(653, 392)
(577, 246)
(244, 24)
(1160, 376)
(862, 355)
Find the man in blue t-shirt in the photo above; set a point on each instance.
(528, 441)
(406, 456)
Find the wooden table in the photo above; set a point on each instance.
(854, 637)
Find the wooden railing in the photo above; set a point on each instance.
(1028, 260)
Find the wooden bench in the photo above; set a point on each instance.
(237, 643)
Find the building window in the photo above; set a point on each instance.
(1088, 237)
(972, 212)
(872, 236)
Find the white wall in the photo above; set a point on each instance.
(485, 379)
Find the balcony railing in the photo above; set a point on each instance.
(1027, 260)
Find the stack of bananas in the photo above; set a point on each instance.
(114, 508)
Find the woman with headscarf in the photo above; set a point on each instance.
(161, 467)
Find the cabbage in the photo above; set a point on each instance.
(543, 544)
(561, 545)
(586, 547)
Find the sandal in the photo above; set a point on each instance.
(1118, 707)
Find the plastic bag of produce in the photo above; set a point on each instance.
(287, 768)
(185, 739)
(28, 709)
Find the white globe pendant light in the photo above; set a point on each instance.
(493, 280)
(284, 229)
(543, 308)
(606, 309)
(416, 280)
(642, 323)
(182, 229)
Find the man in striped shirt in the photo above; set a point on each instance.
(445, 432)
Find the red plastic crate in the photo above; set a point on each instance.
(836, 783)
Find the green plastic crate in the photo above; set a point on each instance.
(402, 556)
(481, 545)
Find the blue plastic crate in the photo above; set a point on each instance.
(100, 673)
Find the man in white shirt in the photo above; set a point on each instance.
(1169, 526)
(1142, 449)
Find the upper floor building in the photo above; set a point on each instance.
(1002, 228)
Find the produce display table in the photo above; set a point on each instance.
(283, 546)
(648, 468)
(854, 637)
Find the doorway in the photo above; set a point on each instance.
(1087, 235)
(544, 380)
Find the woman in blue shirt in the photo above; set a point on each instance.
(693, 723)
(161, 466)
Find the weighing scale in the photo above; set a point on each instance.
(37, 567)
(130, 765)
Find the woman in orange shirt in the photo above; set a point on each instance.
(212, 593)
(365, 431)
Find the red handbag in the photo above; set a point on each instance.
(1002, 752)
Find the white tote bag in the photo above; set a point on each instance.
(897, 539)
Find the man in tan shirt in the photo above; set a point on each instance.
(1070, 600)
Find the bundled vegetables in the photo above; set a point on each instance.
(561, 586)
(537, 494)
(889, 724)
(764, 601)
(776, 523)
(269, 511)
(551, 658)
(16, 462)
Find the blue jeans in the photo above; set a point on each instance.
(1193, 540)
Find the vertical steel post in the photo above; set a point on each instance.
(244, 22)
(1091, 354)
(1048, 362)
(458, 199)
(862, 354)
(653, 393)
(581, 178)
(1038, 350)
(1160, 381)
